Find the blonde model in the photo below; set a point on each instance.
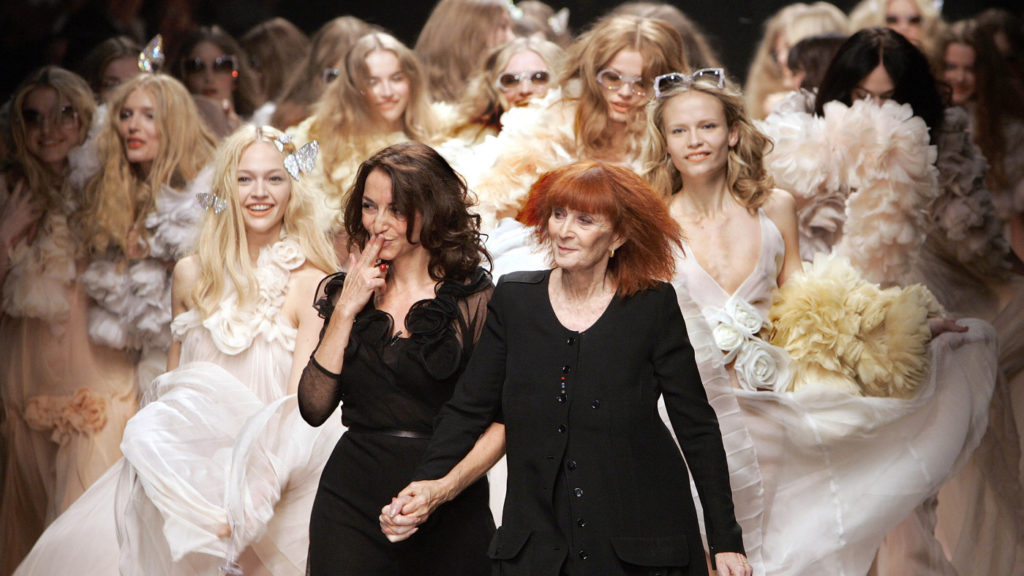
(769, 75)
(379, 98)
(193, 494)
(65, 398)
(138, 218)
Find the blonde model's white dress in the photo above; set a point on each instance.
(820, 475)
(218, 466)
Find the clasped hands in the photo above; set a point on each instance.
(411, 508)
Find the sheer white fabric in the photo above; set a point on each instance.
(819, 476)
(218, 466)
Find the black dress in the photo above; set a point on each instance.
(391, 389)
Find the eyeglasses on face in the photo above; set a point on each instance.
(509, 81)
(220, 65)
(330, 75)
(666, 82)
(613, 81)
(65, 117)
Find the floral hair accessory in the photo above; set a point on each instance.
(208, 201)
(152, 57)
(666, 82)
(302, 160)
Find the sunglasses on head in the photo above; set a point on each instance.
(65, 117)
(220, 65)
(666, 82)
(613, 82)
(508, 80)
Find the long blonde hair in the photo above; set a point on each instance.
(453, 40)
(748, 179)
(344, 124)
(41, 181)
(483, 104)
(120, 197)
(662, 50)
(794, 22)
(871, 13)
(222, 248)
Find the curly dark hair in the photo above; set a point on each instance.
(424, 186)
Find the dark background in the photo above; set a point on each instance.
(733, 27)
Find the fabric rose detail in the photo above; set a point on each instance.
(736, 329)
(728, 337)
(761, 366)
(85, 412)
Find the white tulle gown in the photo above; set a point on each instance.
(819, 476)
(218, 465)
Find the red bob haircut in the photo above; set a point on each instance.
(638, 215)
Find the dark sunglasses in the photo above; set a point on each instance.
(508, 80)
(220, 65)
(64, 118)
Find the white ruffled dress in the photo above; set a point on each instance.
(219, 467)
(820, 475)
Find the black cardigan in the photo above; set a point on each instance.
(594, 476)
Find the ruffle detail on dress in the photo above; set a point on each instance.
(533, 140)
(41, 272)
(876, 156)
(233, 329)
(85, 159)
(174, 225)
(849, 334)
(133, 301)
(964, 217)
(132, 304)
(84, 412)
(430, 322)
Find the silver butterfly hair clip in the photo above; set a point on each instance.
(211, 201)
(666, 82)
(302, 160)
(152, 57)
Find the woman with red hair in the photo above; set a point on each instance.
(574, 360)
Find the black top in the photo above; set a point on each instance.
(389, 382)
(595, 480)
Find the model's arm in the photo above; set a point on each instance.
(781, 208)
(318, 387)
(299, 304)
(183, 282)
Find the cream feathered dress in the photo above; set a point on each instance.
(870, 184)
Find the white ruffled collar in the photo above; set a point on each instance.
(233, 329)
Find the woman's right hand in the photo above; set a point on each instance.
(366, 276)
(19, 217)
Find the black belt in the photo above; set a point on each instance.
(390, 432)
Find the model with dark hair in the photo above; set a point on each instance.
(399, 328)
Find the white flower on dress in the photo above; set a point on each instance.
(736, 329)
(761, 366)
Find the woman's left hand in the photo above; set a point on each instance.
(413, 505)
(940, 326)
(732, 564)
